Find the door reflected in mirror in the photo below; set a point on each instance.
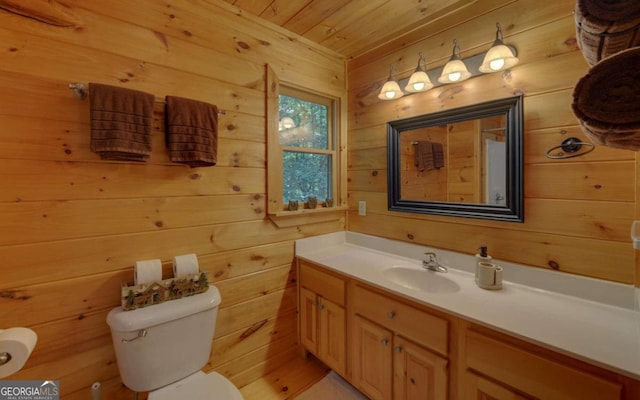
(461, 162)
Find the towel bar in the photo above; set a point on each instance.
(81, 91)
(570, 148)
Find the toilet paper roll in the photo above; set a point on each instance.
(16, 345)
(147, 271)
(185, 264)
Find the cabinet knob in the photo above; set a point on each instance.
(398, 349)
(391, 314)
(384, 342)
(321, 306)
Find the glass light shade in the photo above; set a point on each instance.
(498, 58)
(418, 82)
(390, 90)
(287, 123)
(454, 71)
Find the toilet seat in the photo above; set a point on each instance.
(198, 386)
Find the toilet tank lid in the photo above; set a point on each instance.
(142, 318)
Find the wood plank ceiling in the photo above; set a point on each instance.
(353, 27)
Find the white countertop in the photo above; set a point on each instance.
(590, 319)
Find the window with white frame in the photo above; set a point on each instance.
(307, 144)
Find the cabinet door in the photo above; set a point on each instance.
(308, 320)
(418, 373)
(372, 359)
(331, 336)
(479, 388)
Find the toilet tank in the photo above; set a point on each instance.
(161, 344)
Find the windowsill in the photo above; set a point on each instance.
(306, 216)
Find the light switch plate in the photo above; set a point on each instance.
(362, 207)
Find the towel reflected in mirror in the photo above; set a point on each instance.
(428, 155)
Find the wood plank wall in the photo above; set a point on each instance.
(577, 211)
(72, 226)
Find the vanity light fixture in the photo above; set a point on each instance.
(419, 80)
(390, 90)
(499, 57)
(455, 70)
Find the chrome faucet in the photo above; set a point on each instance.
(431, 262)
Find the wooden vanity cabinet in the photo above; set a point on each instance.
(386, 362)
(322, 316)
(400, 350)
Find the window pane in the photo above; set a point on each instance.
(303, 123)
(305, 175)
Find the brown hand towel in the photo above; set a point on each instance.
(192, 131)
(438, 155)
(120, 122)
(424, 155)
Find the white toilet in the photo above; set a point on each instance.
(160, 349)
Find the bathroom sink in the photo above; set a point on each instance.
(418, 278)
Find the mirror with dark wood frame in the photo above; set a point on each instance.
(464, 162)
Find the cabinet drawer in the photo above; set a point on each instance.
(532, 374)
(477, 387)
(323, 283)
(412, 323)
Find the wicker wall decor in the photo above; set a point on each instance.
(607, 99)
(606, 27)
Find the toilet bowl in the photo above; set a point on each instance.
(161, 349)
